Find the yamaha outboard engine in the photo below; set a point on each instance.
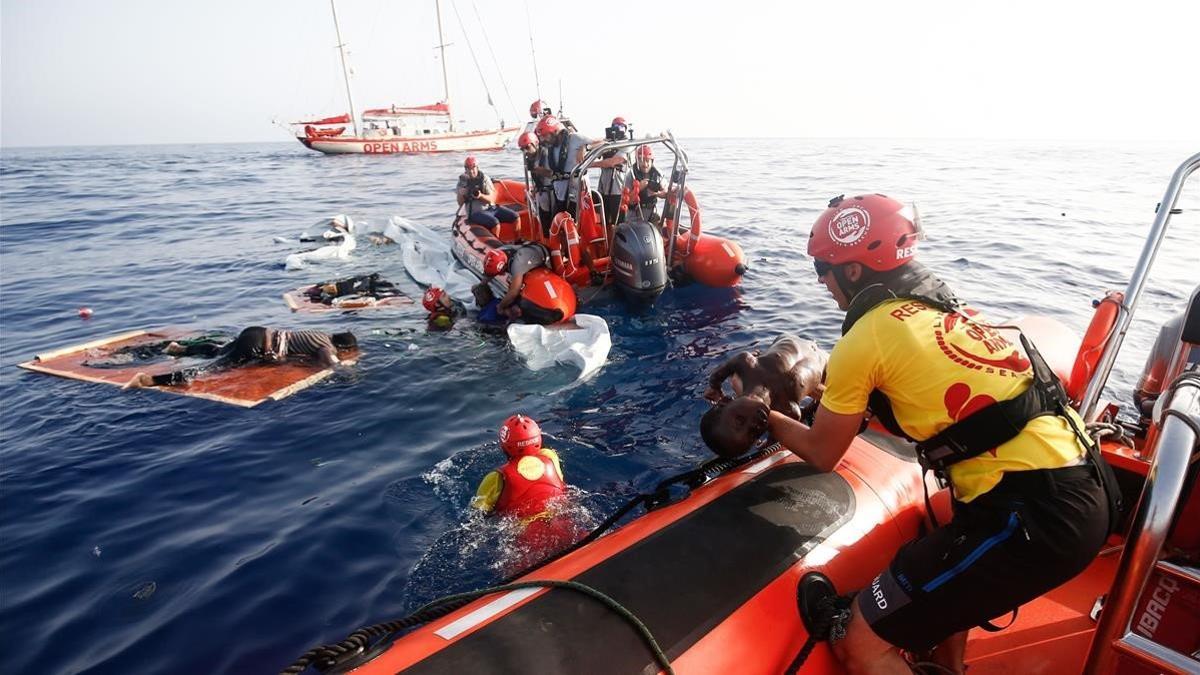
(639, 264)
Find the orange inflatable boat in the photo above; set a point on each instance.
(705, 581)
(641, 256)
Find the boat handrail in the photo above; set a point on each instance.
(1095, 386)
(1152, 522)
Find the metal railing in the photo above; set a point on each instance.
(1091, 395)
(1151, 523)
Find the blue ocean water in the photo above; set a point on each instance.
(141, 532)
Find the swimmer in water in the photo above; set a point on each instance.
(781, 379)
(258, 344)
(443, 309)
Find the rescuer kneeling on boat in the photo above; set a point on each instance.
(780, 379)
(1030, 508)
(526, 487)
(518, 263)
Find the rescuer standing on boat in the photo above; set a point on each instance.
(564, 151)
(1030, 508)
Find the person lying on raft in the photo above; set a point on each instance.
(526, 257)
(527, 487)
(258, 344)
(204, 346)
(781, 379)
(368, 285)
(443, 309)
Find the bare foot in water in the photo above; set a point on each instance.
(138, 381)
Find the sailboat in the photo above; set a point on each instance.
(397, 129)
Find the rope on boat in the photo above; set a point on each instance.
(495, 61)
(327, 656)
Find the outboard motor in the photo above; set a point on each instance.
(639, 265)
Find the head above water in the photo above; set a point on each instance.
(730, 429)
(432, 298)
(519, 436)
(345, 340)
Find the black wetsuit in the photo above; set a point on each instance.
(255, 344)
(204, 346)
(369, 285)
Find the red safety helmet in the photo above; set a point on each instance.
(494, 262)
(519, 436)
(470, 162)
(618, 121)
(430, 300)
(548, 126)
(527, 139)
(536, 108)
(645, 152)
(873, 230)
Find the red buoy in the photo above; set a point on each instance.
(85, 312)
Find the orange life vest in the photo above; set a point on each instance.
(523, 496)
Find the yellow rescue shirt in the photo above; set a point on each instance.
(493, 484)
(937, 368)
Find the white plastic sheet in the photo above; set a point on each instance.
(339, 251)
(428, 260)
(584, 344)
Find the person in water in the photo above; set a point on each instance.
(258, 344)
(521, 261)
(443, 309)
(529, 487)
(367, 285)
(781, 379)
(651, 188)
(1031, 508)
(477, 194)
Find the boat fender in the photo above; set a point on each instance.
(713, 261)
(1104, 320)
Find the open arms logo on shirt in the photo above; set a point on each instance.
(977, 346)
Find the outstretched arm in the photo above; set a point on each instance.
(824, 443)
(731, 367)
(514, 291)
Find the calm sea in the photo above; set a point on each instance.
(148, 533)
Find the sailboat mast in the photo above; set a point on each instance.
(345, 70)
(445, 78)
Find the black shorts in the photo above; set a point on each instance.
(1032, 532)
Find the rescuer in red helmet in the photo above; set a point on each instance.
(531, 488)
(1033, 502)
(564, 149)
(477, 194)
(443, 309)
(531, 478)
(539, 177)
(652, 188)
(517, 262)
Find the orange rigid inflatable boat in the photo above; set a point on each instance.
(639, 257)
(711, 572)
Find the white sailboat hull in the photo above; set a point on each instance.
(494, 139)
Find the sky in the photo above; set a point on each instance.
(104, 72)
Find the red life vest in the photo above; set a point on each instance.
(525, 497)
